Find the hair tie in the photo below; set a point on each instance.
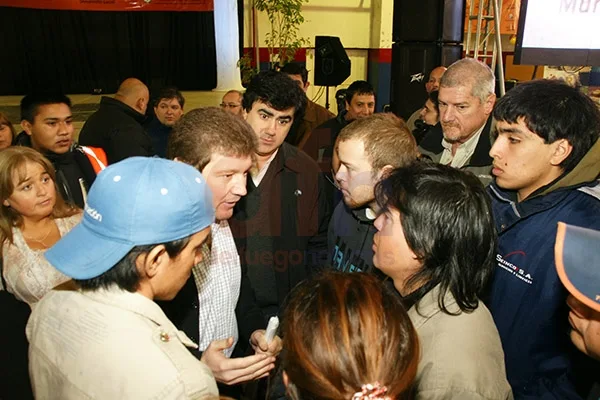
(371, 391)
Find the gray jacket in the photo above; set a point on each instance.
(461, 355)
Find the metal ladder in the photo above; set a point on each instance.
(487, 24)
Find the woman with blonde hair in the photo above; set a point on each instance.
(347, 336)
(7, 132)
(33, 217)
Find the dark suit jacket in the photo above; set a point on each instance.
(280, 229)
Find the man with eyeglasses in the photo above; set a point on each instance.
(232, 102)
(365, 151)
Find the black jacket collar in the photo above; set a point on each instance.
(109, 102)
(433, 142)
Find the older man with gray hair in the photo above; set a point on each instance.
(462, 137)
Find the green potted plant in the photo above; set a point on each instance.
(285, 18)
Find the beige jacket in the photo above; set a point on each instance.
(110, 344)
(461, 355)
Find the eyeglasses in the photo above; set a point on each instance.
(230, 105)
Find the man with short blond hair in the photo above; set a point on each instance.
(222, 147)
(367, 149)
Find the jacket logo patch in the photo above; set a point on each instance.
(514, 269)
(343, 259)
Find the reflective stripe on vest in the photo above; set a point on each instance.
(97, 157)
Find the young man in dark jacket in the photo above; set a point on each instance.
(47, 122)
(168, 109)
(367, 150)
(546, 162)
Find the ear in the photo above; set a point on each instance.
(6, 203)
(562, 150)
(140, 103)
(385, 171)
(488, 105)
(155, 108)
(244, 114)
(151, 263)
(306, 85)
(26, 125)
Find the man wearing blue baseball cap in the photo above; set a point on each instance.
(144, 224)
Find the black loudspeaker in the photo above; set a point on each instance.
(332, 65)
(428, 20)
(411, 65)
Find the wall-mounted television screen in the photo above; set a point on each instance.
(558, 32)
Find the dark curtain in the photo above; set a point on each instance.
(85, 51)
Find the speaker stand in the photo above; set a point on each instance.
(327, 97)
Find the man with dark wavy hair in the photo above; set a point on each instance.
(168, 109)
(280, 226)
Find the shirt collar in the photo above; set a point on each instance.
(469, 145)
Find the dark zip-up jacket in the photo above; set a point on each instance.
(350, 239)
(527, 299)
(280, 230)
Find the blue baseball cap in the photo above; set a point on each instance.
(138, 201)
(577, 255)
